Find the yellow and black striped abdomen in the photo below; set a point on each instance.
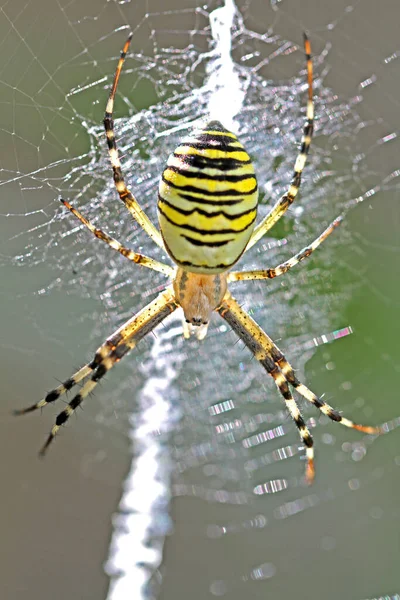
(207, 201)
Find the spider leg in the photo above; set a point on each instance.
(128, 336)
(276, 365)
(288, 264)
(54, 394)
(323, 406)
(260, 345)
(287, 199)
(124, 193)
(146, 261)
(101, 354)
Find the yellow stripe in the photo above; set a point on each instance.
(211, 153)
(202, 237)
(208, 223)
(176, 161)
(224, 133)
(197, 206)
(209, 185)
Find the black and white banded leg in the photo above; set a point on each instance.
(276, 365)
(282, 205)
(108, 355)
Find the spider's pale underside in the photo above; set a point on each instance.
(207, 206)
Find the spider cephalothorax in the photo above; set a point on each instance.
(207, 209)
(198, 295)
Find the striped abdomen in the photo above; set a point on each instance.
(207, 201)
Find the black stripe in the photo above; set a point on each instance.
(209, 244)
(75, 402)
(206, 231)
(205, 213)
(206, 162)
(197, 175)
(192, 188)
(100, 372)
(54, 395)
(305, 435)
(214, 141)
(309, 128)
(68, 384)
(296, 181)
(209, 202)
(200, 146)
(187, 263)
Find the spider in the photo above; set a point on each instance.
(207, 205)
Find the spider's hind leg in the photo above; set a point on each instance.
(119, 344)
(282, 385)
(261, 346)
(276, 365)
(64, 387)
(102, 352)
(105, 365)
(323, 406)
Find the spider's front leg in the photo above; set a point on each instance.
(124, 192)
(276, 365)
(282, 205)
(139, 259)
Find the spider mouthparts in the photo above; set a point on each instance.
(197, 329)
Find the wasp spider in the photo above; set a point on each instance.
(207, 205)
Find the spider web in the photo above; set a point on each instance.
(209, 462)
